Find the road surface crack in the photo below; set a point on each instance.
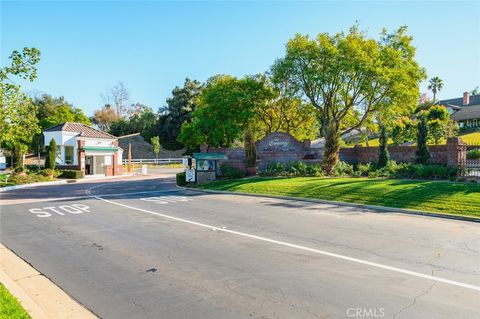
(414, 301)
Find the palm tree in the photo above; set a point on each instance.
(436, 85)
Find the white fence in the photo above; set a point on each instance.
(160, 161)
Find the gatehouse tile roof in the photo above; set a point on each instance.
(80, 128)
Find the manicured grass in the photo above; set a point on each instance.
(433, 196)
(29, 178)
(10, 308)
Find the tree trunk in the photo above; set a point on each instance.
(332, 145)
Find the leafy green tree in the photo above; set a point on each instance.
(144, 121)
(384, 155)
(475, 91)
(435, 84)
(18, 123)
(178, 111)
(438, 121)
(350, 78)
(52, 111)
(283, 113)
(51, 155)
(156, 145)
(224, 108)
(422, 152)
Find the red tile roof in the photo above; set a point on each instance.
(80, 128)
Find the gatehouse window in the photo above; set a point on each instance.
(68, 155)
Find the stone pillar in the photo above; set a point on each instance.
(203, 148)
(455, 151)
(81, 155)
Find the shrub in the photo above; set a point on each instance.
(51, 155)
(422, 153)
(181, 179)
(72, 174)
(293, 168)
(473, 154)
(342, 169)
(362, 169)
(48, 172)
(231, 172)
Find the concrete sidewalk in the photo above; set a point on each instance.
(39, 296)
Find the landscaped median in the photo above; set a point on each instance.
(431, 196)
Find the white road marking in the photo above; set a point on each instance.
(165, 199)
(304, 248)
(43, 200)
(72, 209)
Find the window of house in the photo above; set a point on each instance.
(68, 155)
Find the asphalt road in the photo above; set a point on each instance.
(142, 248)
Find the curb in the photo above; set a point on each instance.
(37, 294)
(60, 182)
(379, 209)
(10, 188)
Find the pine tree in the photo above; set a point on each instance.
(384, 155)
(250, 149)
(422, 153)
(51, 155)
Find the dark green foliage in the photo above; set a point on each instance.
(181, 179)
(422, 153)
(342, 169)
(177, 111)
(294, 168)
(473, 154)
(143, 121)
(384, 155)
(72, 174)
(250, 149)
(231, 172)
(51, 155)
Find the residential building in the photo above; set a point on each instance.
(85, 148)
(465, 110)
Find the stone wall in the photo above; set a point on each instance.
(282, 147)
(236, 156)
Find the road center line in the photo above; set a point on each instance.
(300, 247)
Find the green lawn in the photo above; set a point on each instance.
(433, 196)
(10, 308)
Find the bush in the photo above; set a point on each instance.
(72, 174)
(362, 169)
(48, 172)
(293, 168)
(342, 169)
(231, 172)
(181, 179)
(473, 154)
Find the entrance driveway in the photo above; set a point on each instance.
(142, 248)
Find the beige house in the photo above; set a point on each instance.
(465, 110)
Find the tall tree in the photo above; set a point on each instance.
(18, 123)
(104, 117)
(384, 155)
(435, 84)
(475, 91)
(350, 78)
(284, 113)
(422, 153)
(225, 106)
(51, 155)
(177, 111)
(144, 121)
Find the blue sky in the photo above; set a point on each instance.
(152, 46)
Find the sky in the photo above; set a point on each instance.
(153, 46)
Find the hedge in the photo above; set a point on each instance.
(72, 174)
